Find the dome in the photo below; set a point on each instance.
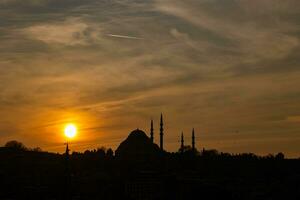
(137, 146)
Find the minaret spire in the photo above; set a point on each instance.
(152, 132)
(193, 140)
(67, 172)
(67, 151)
(161, 132)
(182, 142)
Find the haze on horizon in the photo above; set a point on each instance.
(230, 69)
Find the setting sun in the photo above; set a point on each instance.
(70, 131)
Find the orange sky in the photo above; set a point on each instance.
(230, 69)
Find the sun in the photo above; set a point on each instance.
(70, 131)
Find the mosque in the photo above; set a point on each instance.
(151, 182)
(139, 145)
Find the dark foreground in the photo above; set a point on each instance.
(100, 175)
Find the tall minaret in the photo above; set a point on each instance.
(182, 142)
(152, 132)
(193, 140)
(67, 152)
(67, 173)
(161, 132)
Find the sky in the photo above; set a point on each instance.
(228, 68)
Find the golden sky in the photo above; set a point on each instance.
(230, 69)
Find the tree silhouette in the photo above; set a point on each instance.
(279, 156)
(109, 153)
(19, 146)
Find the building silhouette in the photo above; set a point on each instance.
(152, 132)
(193, 140)
(182, 143)
(137, 146)
(161, 133)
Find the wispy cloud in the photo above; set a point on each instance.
(257, 37)
(72, 31)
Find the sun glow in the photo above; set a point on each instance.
(70, 131)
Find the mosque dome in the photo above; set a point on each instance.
(137, 146)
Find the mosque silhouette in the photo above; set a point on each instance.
(139, 146)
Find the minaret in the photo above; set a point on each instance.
(193, 140)
(67, 152)
(161, 132)
(67, 173)
(67, 158)
(152, 132)
(182, 142)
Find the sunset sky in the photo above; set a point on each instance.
(228, 68)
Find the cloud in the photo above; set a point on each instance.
(255, 39)
(30, 2)
(71, 32)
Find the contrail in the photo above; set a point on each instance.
(125, 37)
